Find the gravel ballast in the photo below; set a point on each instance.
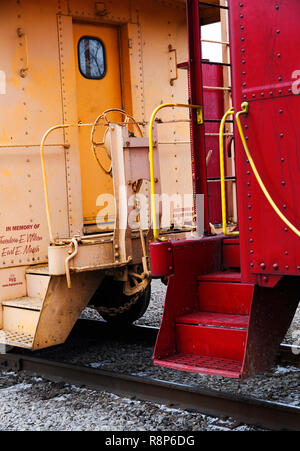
(30, 403)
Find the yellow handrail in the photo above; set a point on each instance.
(63, 126)
(151, 159)
(45, 182)
(222, 174)
(245, 110)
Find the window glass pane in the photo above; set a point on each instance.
(91, 56)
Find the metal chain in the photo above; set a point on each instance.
(115, 311)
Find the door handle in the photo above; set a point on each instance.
(176, 68)
(24, 69)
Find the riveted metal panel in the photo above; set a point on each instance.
(265, 56)
(24, 234)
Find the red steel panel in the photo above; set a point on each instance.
(222, 276)
(161, 257)
(231, 253)
(264, 60)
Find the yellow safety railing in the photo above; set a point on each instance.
(78, 125)
(151, 157)
(245, 110)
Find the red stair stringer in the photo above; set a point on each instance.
(189, 259)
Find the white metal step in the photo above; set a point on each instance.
(27, 303)
(40, 270)
(12, 338)
(21, 316)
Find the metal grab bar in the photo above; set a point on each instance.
(151, 159)
(68, 259)
(230, 112)
(245, 110)
(45, 182)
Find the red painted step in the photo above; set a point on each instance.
(215, 319)
(224, 293)
(222, 276)
(211, 341)
(202, 364)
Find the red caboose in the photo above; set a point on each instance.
(231, 297)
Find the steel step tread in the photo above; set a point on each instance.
(215, 319)
(26, 303)
(202, 364)
(13, 338)
(39, 270)
(222, 276)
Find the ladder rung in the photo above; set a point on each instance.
(217, 121)
(185, 65)
(218, 134)
(216, 88)
(209, 41)
(215, 63)
(218, 179)
(213, 5)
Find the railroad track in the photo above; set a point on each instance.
(251, 411)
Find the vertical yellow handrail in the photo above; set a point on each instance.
(45, 182)
(230, 112)
(151, 158)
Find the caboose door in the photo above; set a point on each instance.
(98, 79)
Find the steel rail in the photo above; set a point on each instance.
(286, 352)
(260, 413)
